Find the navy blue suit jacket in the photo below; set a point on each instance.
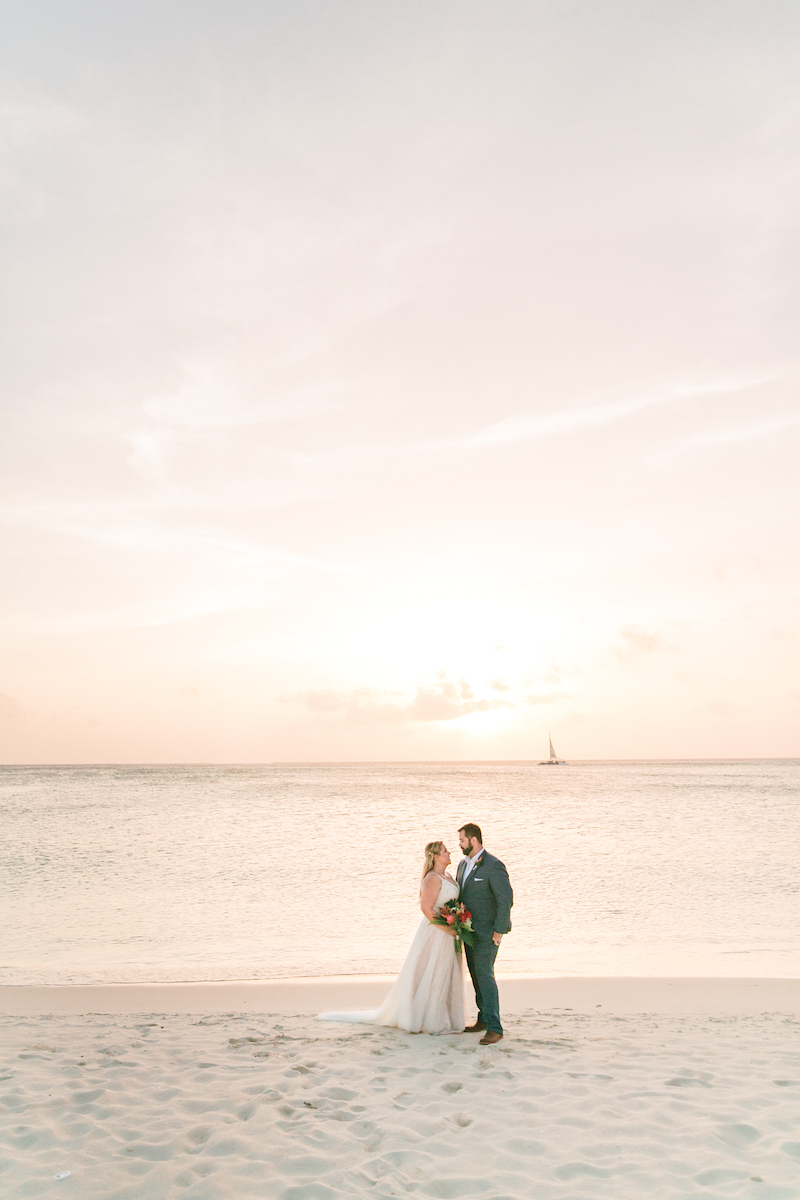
(487, 894)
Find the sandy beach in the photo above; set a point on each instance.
(654, 1088)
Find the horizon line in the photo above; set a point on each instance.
(355, 762)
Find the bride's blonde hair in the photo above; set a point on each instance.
(431, 851)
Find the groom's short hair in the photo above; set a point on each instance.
(472, 831)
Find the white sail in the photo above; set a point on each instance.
(553, 760)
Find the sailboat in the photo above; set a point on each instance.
(553, 760)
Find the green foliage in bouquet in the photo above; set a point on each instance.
(453, 915)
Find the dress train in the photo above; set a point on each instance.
(428, 994)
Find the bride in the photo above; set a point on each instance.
(428, 994)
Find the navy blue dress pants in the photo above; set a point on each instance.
(480, 960)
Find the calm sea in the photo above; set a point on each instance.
(256, 872)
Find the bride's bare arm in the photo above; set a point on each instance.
(429, 895)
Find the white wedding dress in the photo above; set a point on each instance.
(428, 994)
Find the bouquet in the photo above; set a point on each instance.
(453, 915)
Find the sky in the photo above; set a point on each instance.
(399, 381)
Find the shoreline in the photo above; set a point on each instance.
(618, 995)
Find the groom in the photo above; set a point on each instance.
(486, 892)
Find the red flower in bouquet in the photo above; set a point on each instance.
(453, 915)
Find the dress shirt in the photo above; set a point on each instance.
(470, 865)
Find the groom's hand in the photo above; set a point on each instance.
(497, 938)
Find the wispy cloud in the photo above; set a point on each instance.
(595, 412)
(122, 531)
(585, 417)
(635, 643)
(720, 436)
(210, 396)
(746, 433)
(445, 700)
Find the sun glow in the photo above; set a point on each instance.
(408, 426)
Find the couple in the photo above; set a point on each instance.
(428, 995)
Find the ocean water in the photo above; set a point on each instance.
(115, 873)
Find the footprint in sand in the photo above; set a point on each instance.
(199, 1134)
(307, 1164)
(574, 1170)
(414, 1163)
(309, 1191)
(720, 1175)
(152, 1151)
(682, 1081)
(738, 1135)
(775, 1191)
(340, 1093)
(526, 1146)
(454, 1188)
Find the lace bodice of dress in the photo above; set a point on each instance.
(447, 891)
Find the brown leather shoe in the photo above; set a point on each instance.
(478, 1027)
(490, 1038)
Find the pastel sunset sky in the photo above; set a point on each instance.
(400, 380)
